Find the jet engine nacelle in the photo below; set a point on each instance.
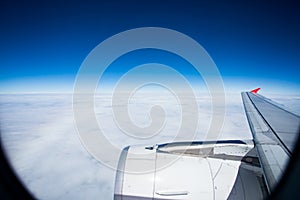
(182, 170)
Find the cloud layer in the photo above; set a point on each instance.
(40, 138)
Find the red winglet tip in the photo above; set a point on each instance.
(255, 90)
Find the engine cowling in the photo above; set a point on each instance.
(185, 170)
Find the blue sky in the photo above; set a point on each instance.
(253, 43)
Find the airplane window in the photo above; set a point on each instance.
(131, 100)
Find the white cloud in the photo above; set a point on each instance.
(40, 139)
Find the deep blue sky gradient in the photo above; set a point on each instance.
(43, 43)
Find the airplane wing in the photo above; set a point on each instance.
(230, 169)
(275, 133)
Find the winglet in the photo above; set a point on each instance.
(255, 90)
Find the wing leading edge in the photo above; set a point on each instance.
(275, 132)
